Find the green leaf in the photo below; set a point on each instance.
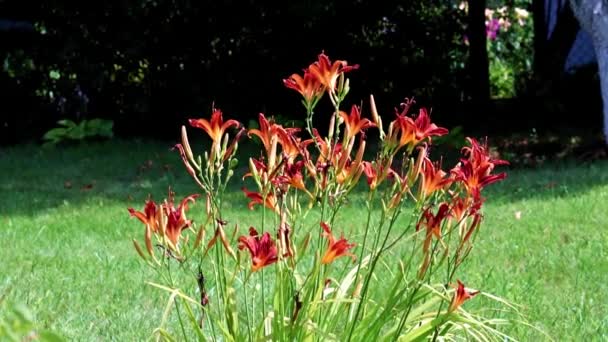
(55, 134)
(67, 123)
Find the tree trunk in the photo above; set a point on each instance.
(540, 37)
(478, 58)
(593, 17)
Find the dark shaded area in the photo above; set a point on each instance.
(149, 65)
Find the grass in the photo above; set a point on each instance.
(67, 251)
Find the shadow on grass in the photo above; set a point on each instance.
(34, 179)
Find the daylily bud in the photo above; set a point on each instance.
(376, 117)
(138, 249)
(199, 237)
(332, 124)
(186, 145)
(304, 244)
(414, 168)
(346, 89)
(148, 239)
(341, 80)
(225, 142)
(254, 170)
(233, 163)
(208, 206)
(229, 249)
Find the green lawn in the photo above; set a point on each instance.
(67, 251)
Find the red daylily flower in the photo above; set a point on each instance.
(256, 198)
(475, 171)
(308, 86)
(432, 223)
(354, 123)
(292, 176)
(461, 295)
(215, 127)
(263, 249)
(335, 249)
(371, 174)
(328, 73)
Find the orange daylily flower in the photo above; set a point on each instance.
(175, 220)
(328, 73)
(292, 176)
(165, 220)
(415, 131)
(335, 249)
(308, 86)
(215, 127)
(263, 249)
(354, 123)
(150, 215)
(256, 198)
(270, 134)
(461, 295)
(433, 179)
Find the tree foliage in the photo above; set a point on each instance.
(144, 63)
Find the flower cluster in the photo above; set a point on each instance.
(302, 169)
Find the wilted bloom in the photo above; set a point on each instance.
(432, 223)
(269, 202)
(263, 249)
(328, 73)
(308, 86)
(371, 174)
(215, 128)
(221, 235)
(461, 295)
(353, 122)
(335, 249)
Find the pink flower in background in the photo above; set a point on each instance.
(492, 28)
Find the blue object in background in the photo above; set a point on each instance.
(581, 53)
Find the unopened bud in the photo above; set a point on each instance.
(233, 163)
(138, 249)
(199, 237)
(376, 117)
(186, 144)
